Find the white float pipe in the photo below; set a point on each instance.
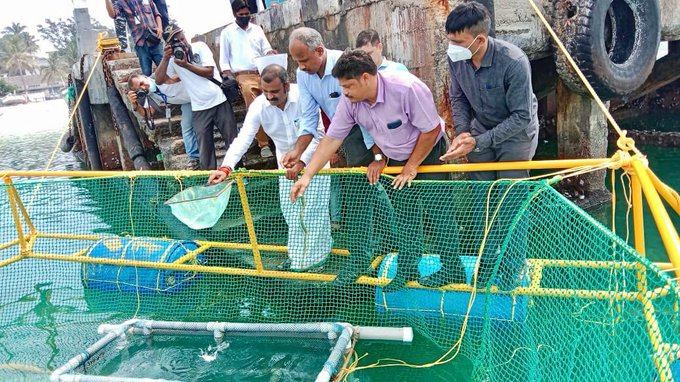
(385, 334)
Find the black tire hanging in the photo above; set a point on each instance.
(614, 43)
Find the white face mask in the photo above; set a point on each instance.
(152, 85)
(458, 53)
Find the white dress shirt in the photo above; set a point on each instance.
(204, 94)
(280, 125)
(239, 48)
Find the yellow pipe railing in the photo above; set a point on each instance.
(638, 217)
(495, 166)
(364, 280)
(249, 222)
(668, 194)
(15, 214)
(669, 235)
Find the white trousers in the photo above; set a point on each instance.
(309, 224)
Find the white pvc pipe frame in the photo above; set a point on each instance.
(343, 332)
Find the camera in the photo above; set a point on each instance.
(141, 96)
(177, 49)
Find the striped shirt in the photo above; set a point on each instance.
(139, 14)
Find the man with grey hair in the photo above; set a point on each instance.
(277, 110)
(318, 88)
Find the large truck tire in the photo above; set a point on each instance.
(614, 43)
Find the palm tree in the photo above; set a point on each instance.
(56, 69)
(16, 57)
(14, 29)
(19, 31)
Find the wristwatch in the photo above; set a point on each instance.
(378, 157)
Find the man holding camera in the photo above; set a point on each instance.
(195, 66)
(147, 96)
(145, 25)
(240, 43)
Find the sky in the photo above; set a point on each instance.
(212, 14)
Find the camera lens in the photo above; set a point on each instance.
(178, 53)
(141, 96)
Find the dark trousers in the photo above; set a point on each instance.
(204, 121)
(149, 55)
(521, 147)
(401, 215)
(421, 205)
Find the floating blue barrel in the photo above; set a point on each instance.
(141, 280)
(448, 304)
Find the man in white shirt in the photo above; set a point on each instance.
(277, 111)
(240, 43)
(195, 66)
(172, 93)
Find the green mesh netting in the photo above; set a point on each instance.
(560, 296)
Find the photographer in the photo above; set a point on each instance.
(146, 97)
(195, 66)
(145, 26)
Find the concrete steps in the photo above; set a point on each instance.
(168, 137)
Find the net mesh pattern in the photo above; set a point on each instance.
(560, 297)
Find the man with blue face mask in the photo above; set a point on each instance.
(494, 108)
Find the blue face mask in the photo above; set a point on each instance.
(152, 85)
(458, 53)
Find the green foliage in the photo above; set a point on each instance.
(56, 70)
(62, 35)
(6, 88)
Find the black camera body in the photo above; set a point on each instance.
(178, 50)
(141, 96)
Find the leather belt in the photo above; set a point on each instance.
(246, 72)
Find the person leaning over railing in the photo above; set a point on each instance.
(398, 111)
(494, 107)
(277, 111)
(170, 93)
(240, 43)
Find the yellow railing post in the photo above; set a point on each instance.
(249, 221)
(668, 194)
(638, 218)
(669, 236)
(15, 214)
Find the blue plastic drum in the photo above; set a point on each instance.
(428, 302)
(129, 279)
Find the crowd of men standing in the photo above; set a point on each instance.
(371, 110)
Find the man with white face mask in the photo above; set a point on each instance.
(494, 108)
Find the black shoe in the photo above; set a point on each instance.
(443, 277)
(350, 273)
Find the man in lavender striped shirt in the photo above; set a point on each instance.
(398, 111)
